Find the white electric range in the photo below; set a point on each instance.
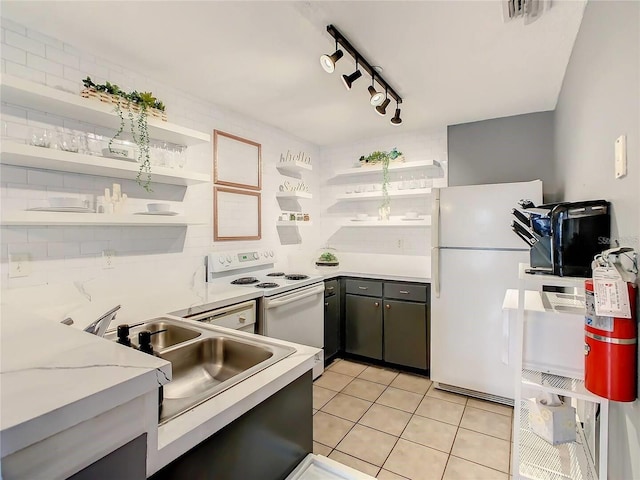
(293, 304)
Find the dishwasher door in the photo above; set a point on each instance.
(241, 316)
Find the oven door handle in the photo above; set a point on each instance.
(294, 297)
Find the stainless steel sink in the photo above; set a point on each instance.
(202, 365)
(205, 361)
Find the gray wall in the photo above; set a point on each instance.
(509, 149)
(598, 102)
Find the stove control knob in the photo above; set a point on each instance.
(221, 259)
(229, 258)
(256, 256)
(271, 253)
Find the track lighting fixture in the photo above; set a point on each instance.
(349, 79)
(382, 108)
(378, 99)
(328, 62)
(396, 120)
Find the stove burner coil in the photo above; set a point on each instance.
(296, 276)
(275, 274)
(267, 285)
(245, 281)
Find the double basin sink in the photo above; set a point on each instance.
(204, 361)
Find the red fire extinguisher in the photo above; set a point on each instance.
(610, 350)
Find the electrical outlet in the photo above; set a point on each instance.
(108, 257)
(400, 243)
(19, 265)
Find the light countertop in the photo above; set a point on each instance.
(54, 377)
(376, 276)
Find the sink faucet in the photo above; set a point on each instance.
(99, 326)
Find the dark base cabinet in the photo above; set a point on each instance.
(331, 320)
(363, 326)
(387, 321)
(266, 443)
(405, 333)
(128, 462)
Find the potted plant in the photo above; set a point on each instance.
(383, 158)
(138, 105)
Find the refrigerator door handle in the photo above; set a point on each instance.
(505, 336)
(435, 243)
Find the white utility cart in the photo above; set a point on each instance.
(532, 456)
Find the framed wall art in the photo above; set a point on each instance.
(236, 214)
(236, 161)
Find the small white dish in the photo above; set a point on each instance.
(165, 213)
(409, 215)
(362, 217)
(158, 207)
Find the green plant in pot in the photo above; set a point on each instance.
(137, 105)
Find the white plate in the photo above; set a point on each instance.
(62, 209)
(411, 219)
(166, 214)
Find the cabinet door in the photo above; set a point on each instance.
(331, 326)
(363, 326)
(405, 333)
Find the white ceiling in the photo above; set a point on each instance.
(451, 61)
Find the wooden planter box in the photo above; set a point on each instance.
(124, 104)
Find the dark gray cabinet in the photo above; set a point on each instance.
(331, 320)
(388, 321)
(405, 333)
(363, 326)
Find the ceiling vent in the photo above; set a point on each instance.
(529, 10)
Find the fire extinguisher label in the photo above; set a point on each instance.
(611, 294)
(593, 320)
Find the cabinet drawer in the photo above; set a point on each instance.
(364, 287)
(403, 291)
(330, 287)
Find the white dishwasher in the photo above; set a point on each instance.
(241, 316)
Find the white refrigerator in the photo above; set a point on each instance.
(475, 257)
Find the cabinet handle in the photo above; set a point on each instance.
(363, 288)
(330, 289)
(388, 306)
(326, 304)
(377, 304)
(242, 319)
(405, 292)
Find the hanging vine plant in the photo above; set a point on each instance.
(383, 158)
(138, 107)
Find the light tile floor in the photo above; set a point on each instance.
(394, 425)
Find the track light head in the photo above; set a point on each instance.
(328, 62)
(349, 79)
(382, 108)
(376, 97)
(396, 120)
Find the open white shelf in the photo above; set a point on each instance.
(25, 93)
(559, 385)
(432, 167)
(408, 193)
(541, 460)
(424, 221)
(27, 218)
(538, 280)
(293, 195)
(50, 159)
(294, 168)
(294, 224)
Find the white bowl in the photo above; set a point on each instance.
(158, 207)
(65, 202)
(362, 216)
(411, 215)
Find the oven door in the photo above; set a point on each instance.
(298, 317)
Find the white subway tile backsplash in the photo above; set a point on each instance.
(11, 174)
(63, 84)
(12, 68)
(21, 41)
(46, 39)
(14, 54)
(93, 248)
(38, 62)
(13, 26)
(45, 177)
(14, 235)
(94, 70)
(57, 54)
(63, 249)
(46, 234)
